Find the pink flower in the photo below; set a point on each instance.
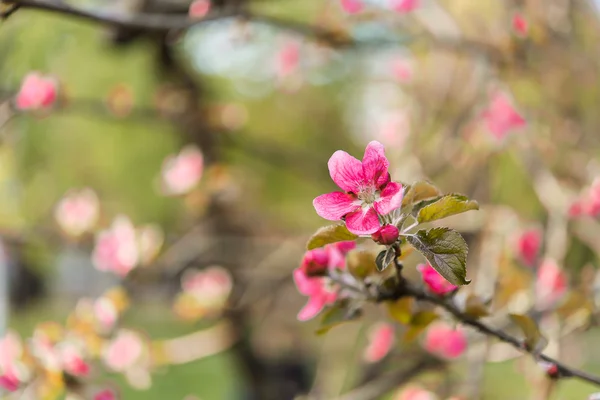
(9, 382)
(368, 190)
(10, 350)
(415, 393)
(352, 6)
(445, 341)
(576, 209)
(288, 59)
(551, 283)
(387, 234)
(401, 70)
(501, 117)
(116, 249)
(381, 341)
(37, 92)
(520, 25)
(211, 288)
(404, 6)
(77, 212)
(182, 172)
(318, 292)
(123, 351)
(199, 8)
(106, 394)
(435, 282)
(345, 247)
(528, 246)
(317, 262)
(72, 361)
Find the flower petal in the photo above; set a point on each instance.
(375, 164)
(333, 206)
(346, 171)
(306, 285)
(363, 222)
(313, 307)
(391, 198)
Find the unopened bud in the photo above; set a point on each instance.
(387, 234)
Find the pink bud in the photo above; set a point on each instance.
(182, 172)
(550, 368)
(404, 6)
(445, 341)
(106, 394)
(501, 117)
(528, 246)
(551, 283)
(37, 92)
(9, 382)
(211, 287)
(435, 282)
(381, 341)
(387, 234)
(520, 25)
(73, 362)
(345, 247)
(352, 6)
(199, 8)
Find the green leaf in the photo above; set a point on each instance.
(475, 307)
(446, 251)
(361, 263)
(534, 340)
(337, 314)
(385, 258)
(446, 206)
(330, 234)
(418, 191)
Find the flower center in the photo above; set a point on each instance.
(368, 195)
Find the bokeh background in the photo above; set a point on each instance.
(268, 100)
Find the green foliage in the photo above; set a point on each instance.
(329, 234)
(361, 263)
(534, 340)
(335, 315)
(446, 251)
(384, 258)
(445, 206)
(418, 191)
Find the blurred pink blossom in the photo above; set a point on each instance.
(77, 212)
(415, 393)
(210, 287)
(318, 291)
(401, 70)
(318, 261)
(199, 8)
(182, 172)
(105, 312)
(368, 191)
(404, 6)
(381, 341)
(9, 382)
(501, 117)
(445, 341)
(520, 25)
(435, 282)
(106, 394)
(528, 246)
(37, 92)
(116, 248)
(72, 360)
(123, 351)
(551, 283)
(11, 349)
(288, 59)
(352, 6)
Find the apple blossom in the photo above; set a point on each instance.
(77, 212)
(36, 92)
(551, 283)
(368, 191)
(288, 59)
(319, 293)
(381, 341)
(501, 117)
(404, 6)
(123, 351)
(435, 282)
(116, 248)
(182, 172)
(199, 8)
(106, 394)
(387, 234)
(352, 6)
(210, 288)
(520, 25)
(445, 341)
